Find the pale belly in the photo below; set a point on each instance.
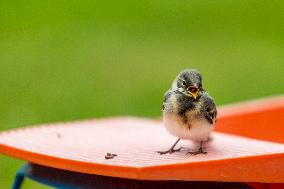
(198, 130)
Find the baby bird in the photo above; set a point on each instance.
(188, 111)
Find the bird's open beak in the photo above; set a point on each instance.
(194, 95)
(193, 91)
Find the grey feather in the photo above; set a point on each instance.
(208, 109)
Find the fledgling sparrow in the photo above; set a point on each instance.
(188, 111)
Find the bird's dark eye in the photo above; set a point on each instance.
(183, 83)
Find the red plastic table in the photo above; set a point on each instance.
(246, 146)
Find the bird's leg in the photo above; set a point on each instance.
(199, 151)
(171, 150)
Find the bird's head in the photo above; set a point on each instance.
(189, 82)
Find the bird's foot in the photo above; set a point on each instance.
(199, 151)
(170, 151)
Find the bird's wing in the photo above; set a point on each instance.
(210, 108)
(211, 113)
(166, 97)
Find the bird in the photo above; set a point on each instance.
(189, 112)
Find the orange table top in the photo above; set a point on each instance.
(82, 145)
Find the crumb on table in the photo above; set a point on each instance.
(110, 156)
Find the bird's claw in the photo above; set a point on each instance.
(199, 151)
(170, 151)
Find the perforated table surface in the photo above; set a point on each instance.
(238, 154)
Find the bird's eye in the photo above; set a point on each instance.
(183, 83)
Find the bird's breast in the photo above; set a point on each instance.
(192, 129)
(179, 104)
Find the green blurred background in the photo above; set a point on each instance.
(67, 60)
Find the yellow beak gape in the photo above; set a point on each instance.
(193, 91)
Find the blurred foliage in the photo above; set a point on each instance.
(66, 60)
